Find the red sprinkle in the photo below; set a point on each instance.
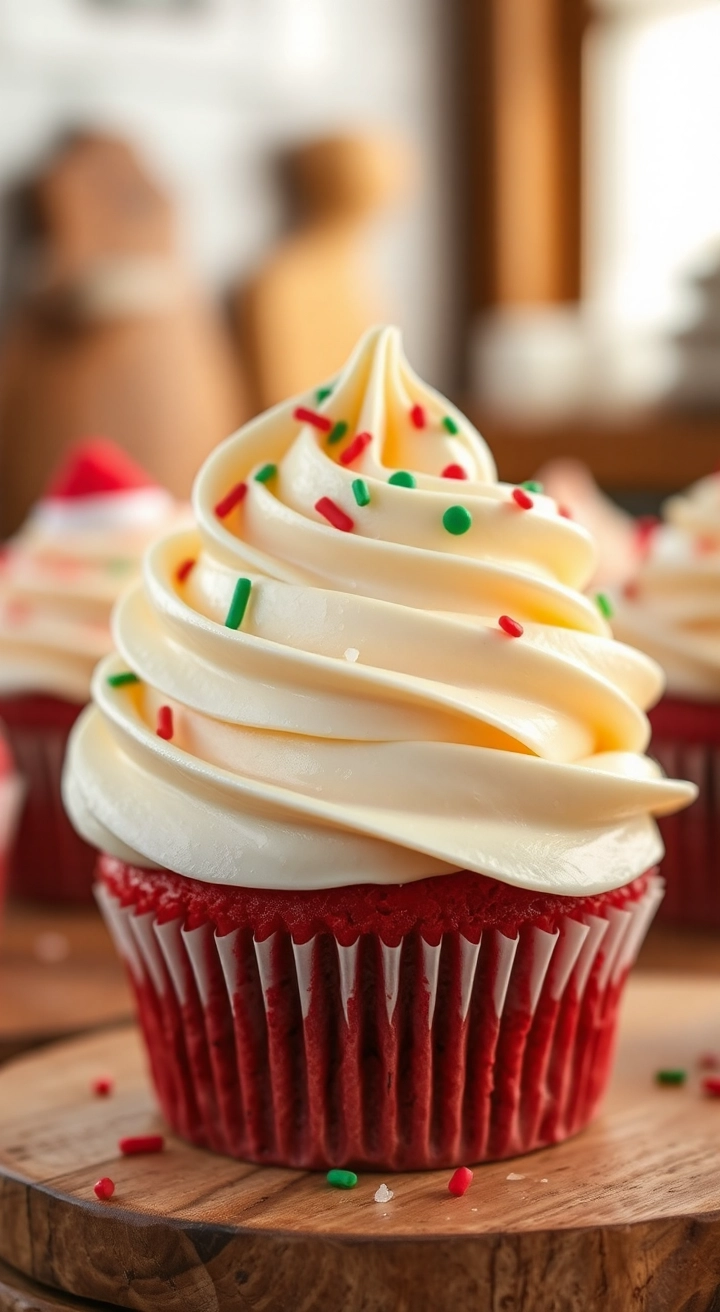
(711, 1086)
(646, 527)
(709, 1061)
(103, 1086)
(323, 422)
(356, 448)
(141, 1143)
(454, 471)
(460, 1181)
(334, 514)
(165, 722)
(183, 570)
(564, 512)
(104, 1188)
(511, 627)
(521, 498)
(417, 414)
(630, 590)
(231, 500)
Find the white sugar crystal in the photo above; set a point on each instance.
(383, 1194)
(544, 1180)
(351, 653)
(514, 1176)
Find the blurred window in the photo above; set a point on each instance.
(652, 185)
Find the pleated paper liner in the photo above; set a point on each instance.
(11, 794)
(686, 742)
(49, 861)
(417, 1055)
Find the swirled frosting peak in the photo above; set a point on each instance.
(62, 573)
(671, 610)
(370, 662)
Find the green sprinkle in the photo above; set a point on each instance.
(338, 432)
(449, 424)
(267, 472)
(402, 479)
(361, 491)
(671, 1077)
(342, 1179)
(532, 486)
(120, 680)
(238, 605)
(322, 394)
(457, 520)
(604, 605)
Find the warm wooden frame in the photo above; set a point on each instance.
(521, 70)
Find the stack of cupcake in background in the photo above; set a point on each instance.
(671, 610)
(368, 774)
(59, 577)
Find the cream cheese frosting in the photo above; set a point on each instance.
(672, 608)
(345, 705)
(59, 579)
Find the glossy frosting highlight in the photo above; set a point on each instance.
(369, 721)
(672, 608)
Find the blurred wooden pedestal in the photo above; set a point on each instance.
(627, 1213)
(59, 975)
(18, 1294)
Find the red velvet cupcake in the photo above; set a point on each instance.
(59, 579)
(10, 800)
(367, 772)
(672, 612)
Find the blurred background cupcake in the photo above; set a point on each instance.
(59, 577)
(671, 610)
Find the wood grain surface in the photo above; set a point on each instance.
(624, 1217)
(18, 1294)
(59, 975)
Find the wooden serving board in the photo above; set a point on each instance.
(18, 1294)
(59, 975)
(625, 1216)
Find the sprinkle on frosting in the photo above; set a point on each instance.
(120, 680)
(238, 605)
(671, 1076)
(457, 520)
(266, 473)
(322, 394)
(305, 416)
(102, 1086)
(356, 448)
(454, 471)
(334, 514)
(711, 1086)
(183, 570)
(604, 605)
(564, 512)
(361, 491)
(418, 417)
(531, 486)
(521, 498)
(231, 500)
(512, 627)
(164, 723)
(402, 478)
(338, 432)
(449, 425)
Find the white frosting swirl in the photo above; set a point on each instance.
(369, 721)
(672, 608)
(59, 580)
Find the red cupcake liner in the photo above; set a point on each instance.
(686, 742)
(11, 793)
(409, 1055)
(49, 862)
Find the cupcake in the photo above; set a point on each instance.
(671, 610)
(59, 578)
(10, 798)
(367, 775)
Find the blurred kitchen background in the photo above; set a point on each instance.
(204, 201)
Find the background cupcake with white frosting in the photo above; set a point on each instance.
(59, 578)
(368, 773)
(671, 610)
